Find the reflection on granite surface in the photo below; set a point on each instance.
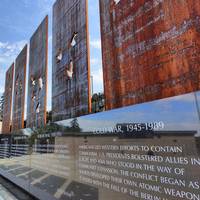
(138, 152)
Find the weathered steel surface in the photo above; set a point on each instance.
(151, 49)
(71, 71)
(19, 90)
(37, 78)
(7, 111)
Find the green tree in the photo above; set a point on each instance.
(49, 117)
(74, 125)
(98, 102)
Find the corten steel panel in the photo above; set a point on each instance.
(19, 91)
(7, 111)
(70, 95)
(37, 78)
(151, 49)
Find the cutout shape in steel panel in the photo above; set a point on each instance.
(19, 90)
(7, 111)
(37, 78)
(150, 49)
(71, 72)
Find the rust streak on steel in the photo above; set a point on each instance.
(7, 111)
(37, 77)
(150, 49)
(19, 90)
(71, 67)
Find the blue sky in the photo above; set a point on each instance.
(19, 20)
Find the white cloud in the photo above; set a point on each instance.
(3, 59)
(1, 90)
(3, 45)
(96, 61)
(9, 51)
(95, 44)
(98, 76)
(2, 78)
(97, 80)
(2, 70)
(8, 54)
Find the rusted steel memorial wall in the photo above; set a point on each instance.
(150, 49)
(7, 110)
(19, 91)
(37, 77)
(71, 70)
